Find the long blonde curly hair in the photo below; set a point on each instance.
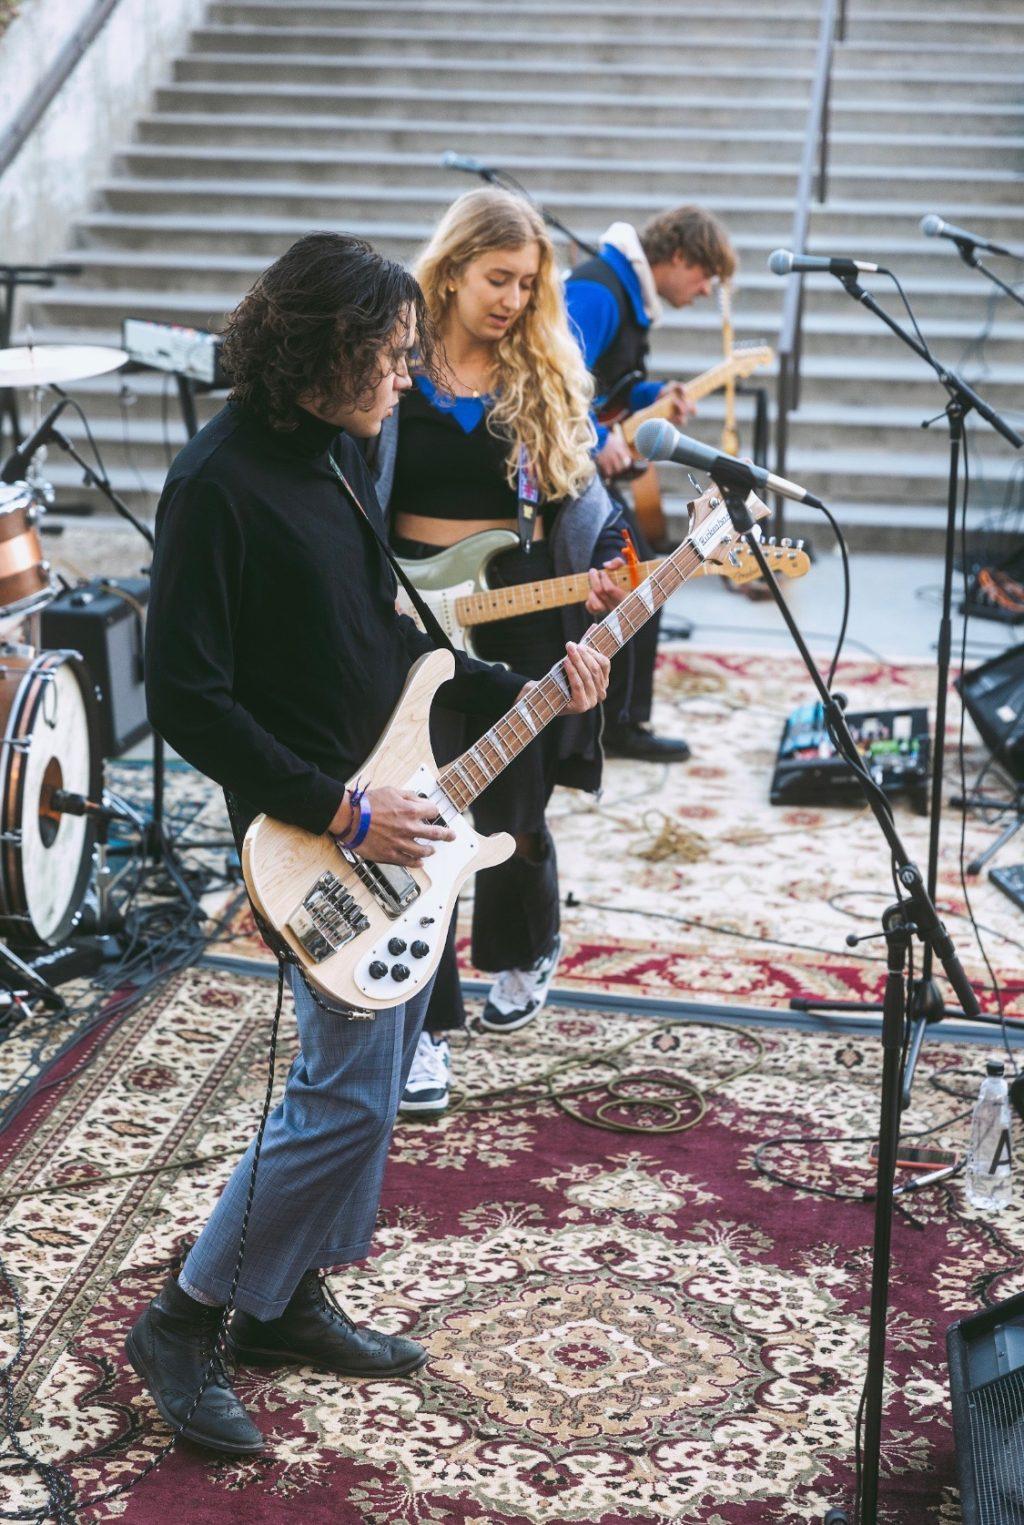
(544, 391)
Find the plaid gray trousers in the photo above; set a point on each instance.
(319, 1177)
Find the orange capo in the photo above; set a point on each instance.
(631, 559)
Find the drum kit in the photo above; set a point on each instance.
(49, 719)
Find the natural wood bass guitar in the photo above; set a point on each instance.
(369, 935)
(455, 586)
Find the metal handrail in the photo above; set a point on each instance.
(813, 178)
(19, 128)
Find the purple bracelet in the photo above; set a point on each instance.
(357, 800)
(365, 816)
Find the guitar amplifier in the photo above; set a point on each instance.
(993, 696)
(986, 1384)
(105, 620)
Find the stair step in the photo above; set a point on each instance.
(689, 43)
(576, 106)
(314, 71)
(588, 212)
(143, 163)
(630, 141)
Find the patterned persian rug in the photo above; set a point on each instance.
(625, 1328)
(688, 884)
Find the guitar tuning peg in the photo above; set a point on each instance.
(799, 545)
(786, 542)
(771, 540)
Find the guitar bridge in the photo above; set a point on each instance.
(393, 888)
(327, 919)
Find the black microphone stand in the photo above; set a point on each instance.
(912, 914)
(926, 1004)
(968, 252)
(504, 181)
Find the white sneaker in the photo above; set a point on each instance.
(517, 995)
(428, 1087)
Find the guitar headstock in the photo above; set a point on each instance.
(750, 357)
(785, 559)
(711, 529)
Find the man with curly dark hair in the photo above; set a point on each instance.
(274, 657)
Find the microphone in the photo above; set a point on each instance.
(784, 262)
(933, 226)
(465, 162)
(656, 440)
(13, 469)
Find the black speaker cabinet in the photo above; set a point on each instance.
(105, 621)
(993, 696)
(986, 1383)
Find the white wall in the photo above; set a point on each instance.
(50, 183)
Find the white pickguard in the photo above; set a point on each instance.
(442, 606)
(445, 868)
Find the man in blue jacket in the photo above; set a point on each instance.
(614, 299)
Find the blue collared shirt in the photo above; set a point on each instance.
(594, 320)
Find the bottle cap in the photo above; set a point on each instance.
(995, 1067)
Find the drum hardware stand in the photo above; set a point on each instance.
(12, 277)
(22, 984)
(913, 915)
(926, 1004)
(106, 919)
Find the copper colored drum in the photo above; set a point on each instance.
(49, 740)
(26, 583)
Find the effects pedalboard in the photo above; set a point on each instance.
(895, 746)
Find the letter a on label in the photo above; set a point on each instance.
(1003, 1154)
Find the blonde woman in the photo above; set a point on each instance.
(506, 442)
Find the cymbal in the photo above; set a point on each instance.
(36, 364)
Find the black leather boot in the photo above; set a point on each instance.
(314, 1331)
(171, 1348)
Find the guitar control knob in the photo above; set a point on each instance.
(419, 948)
(396, 946)
(377, 970)
(399, 972)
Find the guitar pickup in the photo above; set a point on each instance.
(327, 918)
(392, 886)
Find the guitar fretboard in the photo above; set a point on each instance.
(469, 775)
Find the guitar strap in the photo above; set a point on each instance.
(430, 623)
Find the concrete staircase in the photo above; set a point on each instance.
(283, 117)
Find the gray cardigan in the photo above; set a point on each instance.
(578, 527)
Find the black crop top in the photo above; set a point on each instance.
(444, 472)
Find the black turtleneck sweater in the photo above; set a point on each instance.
(274, 653)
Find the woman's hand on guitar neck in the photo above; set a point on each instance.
(402, 827)
(605, 593)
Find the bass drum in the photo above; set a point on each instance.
(49, 740)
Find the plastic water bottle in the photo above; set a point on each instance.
(990, 1161)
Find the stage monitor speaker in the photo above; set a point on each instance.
(105, 621)
(986, 1383)
(993, 696)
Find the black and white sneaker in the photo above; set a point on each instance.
(517, 995)
(428, 1088)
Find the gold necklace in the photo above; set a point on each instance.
(473, 392)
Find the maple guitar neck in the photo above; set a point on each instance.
(701, 386)
(492, 604)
